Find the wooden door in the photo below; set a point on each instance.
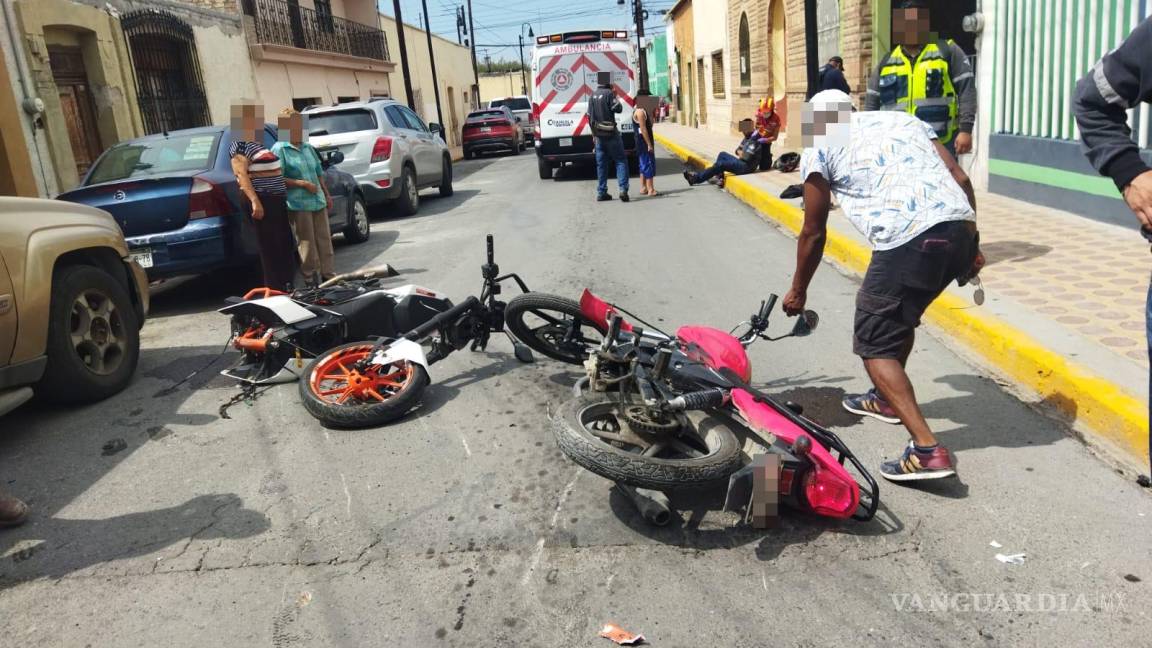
(701, 92)
(76, 103)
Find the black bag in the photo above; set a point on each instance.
(788, 162)
(604, 128)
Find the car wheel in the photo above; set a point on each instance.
(446, 179)
(545, 168)
(93, 337)
(515, 148)
(409, 200)
(358, 228)
(467, 154)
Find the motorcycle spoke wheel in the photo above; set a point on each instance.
(611, 423)
(567, 335)
(338, 380)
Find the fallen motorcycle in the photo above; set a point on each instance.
(662, 412)
(370, 383)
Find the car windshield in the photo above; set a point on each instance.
(156, 156)
(487, 114)
(341, 121)
(513, 103)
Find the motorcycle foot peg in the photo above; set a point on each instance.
(523, 353)
(652, 505)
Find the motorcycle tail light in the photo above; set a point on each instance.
(206, 200)
(830, 494)
(382, 149)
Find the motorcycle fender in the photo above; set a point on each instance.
(401, 350)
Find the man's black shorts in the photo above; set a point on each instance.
(902, 282)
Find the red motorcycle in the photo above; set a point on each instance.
(666, 412)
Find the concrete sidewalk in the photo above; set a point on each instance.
(1064, 316)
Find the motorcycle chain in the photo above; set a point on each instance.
(641, 419)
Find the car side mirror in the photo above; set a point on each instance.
(435, 128)
(333, 158)
(806, 323)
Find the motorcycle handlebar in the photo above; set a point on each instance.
(491, 252)
(767, 306)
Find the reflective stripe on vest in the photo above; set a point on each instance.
(923, 89)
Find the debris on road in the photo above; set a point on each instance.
(995, 545)
(621, 636)
(1014, 559)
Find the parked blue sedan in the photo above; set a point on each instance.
(176, 199)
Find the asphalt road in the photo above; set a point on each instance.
(159, 523)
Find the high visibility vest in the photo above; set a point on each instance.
(922, 88)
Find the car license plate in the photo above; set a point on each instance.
(485, 129)
(142, 256)
(565, 141)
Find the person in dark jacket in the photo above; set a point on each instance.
(746, 160)
(1120, 80)
(603, 106)
(930, 80)
(832, 76)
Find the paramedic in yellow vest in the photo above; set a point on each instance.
(931, 80)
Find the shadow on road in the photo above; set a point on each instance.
(55, 547)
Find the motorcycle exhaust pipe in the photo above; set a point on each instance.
(653, 505)
(367, 273)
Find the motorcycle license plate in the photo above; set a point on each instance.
(565, 141)
(142, 256)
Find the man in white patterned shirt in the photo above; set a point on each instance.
(905, 193)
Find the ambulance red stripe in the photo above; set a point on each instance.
(547, 68)
(576, 97)
(581, 124)
(618, 63)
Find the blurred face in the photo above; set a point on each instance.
(291, 129)
(746, 127)
(826, 126)
(248, 121)
(911, 26)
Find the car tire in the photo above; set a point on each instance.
(545, 168)
(409, 201)
(446, 179)
(358, 229)
(467, 154)
(516, 148)
(89, 303)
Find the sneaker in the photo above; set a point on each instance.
(624, 196)
(690, 177)
(870, 404)
(603, 197)
(914, 465)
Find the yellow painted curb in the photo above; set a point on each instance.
(1112, 412)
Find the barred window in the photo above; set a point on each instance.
(745, 53)
(718, 73)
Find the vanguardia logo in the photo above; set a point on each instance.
(1013, 602)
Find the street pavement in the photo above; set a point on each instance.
(157, 522)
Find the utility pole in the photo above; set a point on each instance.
(435, 82)
(475, 70)
(523, 73)
(459, 24)
(403, 54)
(638, 14)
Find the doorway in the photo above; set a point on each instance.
(453, 124)
(701, 104)
(71, 79)
(778, 56)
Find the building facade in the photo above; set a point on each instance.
(683, 58)
(656, 58)
(713, 63)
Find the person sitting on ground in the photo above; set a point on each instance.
(746, 160)
(907, 195)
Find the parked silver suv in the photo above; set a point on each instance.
(390, 151)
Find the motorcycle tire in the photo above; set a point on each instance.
(522, 305)
(330, 392)
(569, 425)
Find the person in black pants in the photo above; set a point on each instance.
(261, 181)
(749, 153)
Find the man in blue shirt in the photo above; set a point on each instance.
(746, 160)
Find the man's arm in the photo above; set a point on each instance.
(957, 172)
(872, 94)
(964, 81)
(616, 106)
(810, 245)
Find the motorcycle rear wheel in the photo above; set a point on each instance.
(556, 315)
(592, 430)
(341, 396)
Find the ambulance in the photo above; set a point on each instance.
(564, 68)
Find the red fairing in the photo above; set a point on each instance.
(829, 488)
(599, 311)
(720, 350)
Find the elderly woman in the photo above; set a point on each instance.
(308, 199)
(261, 182)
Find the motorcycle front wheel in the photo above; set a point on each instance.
(341, 393)
(553, 326)
(620, 441)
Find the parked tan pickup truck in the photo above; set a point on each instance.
(71, 303)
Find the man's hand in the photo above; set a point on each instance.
(963, 143)
(257, 210)
(308, 186)
(1138, 195)
(794, 302)
(328, 201)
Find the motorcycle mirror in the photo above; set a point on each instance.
(806, 323)
(523, 353)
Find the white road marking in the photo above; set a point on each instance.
(465, 442)
(347, 496)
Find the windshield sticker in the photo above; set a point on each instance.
(199, 148)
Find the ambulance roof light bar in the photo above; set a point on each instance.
(581, 37)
